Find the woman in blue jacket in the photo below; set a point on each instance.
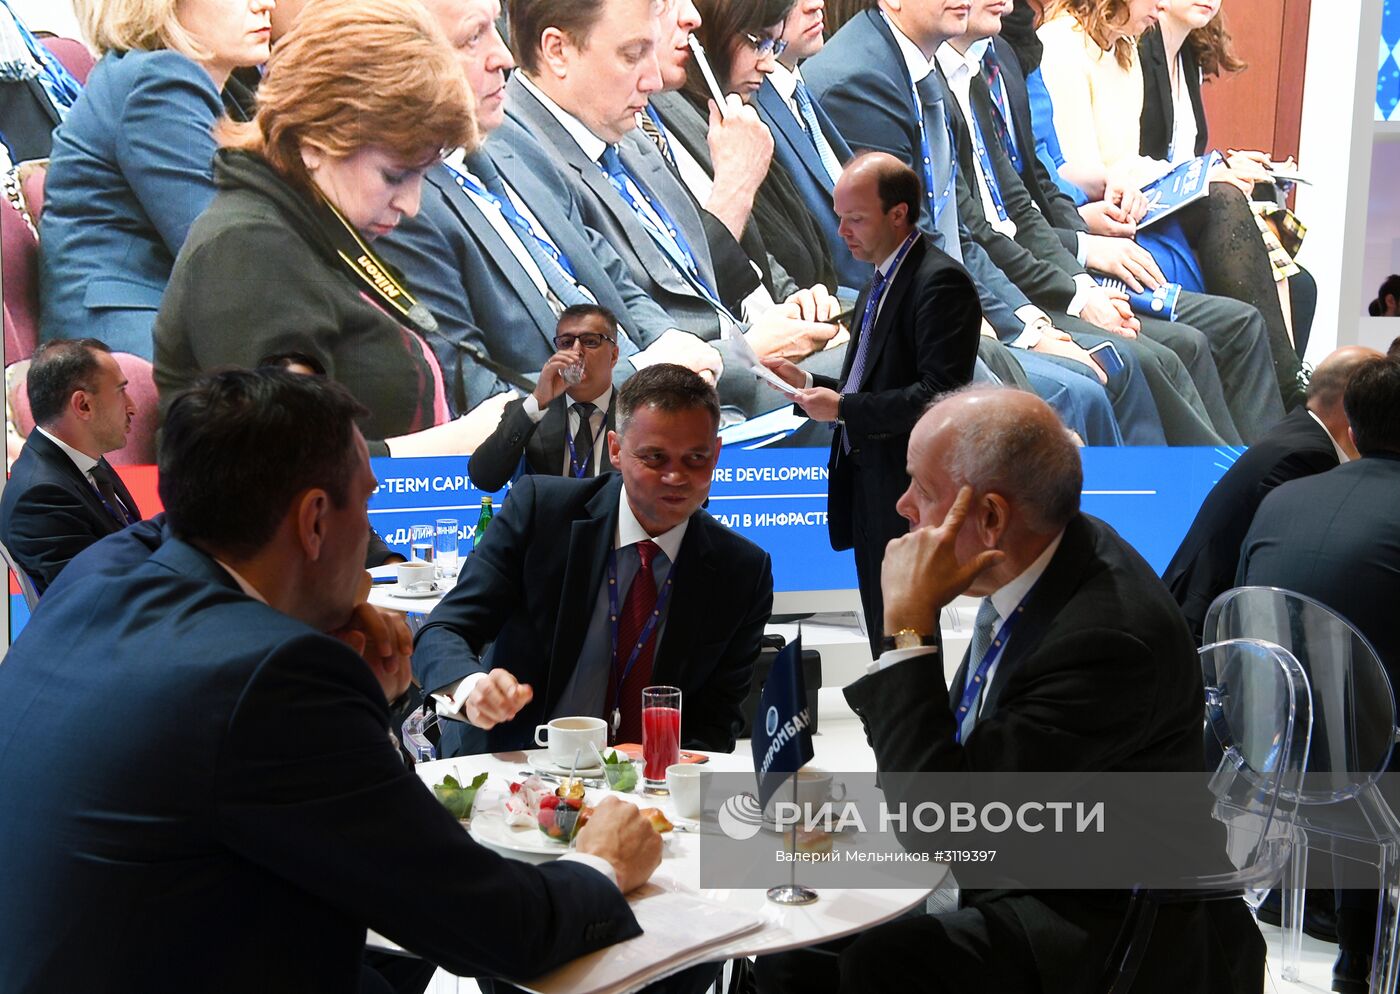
(132, 163)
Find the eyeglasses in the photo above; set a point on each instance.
(765, 46)
(589, 340)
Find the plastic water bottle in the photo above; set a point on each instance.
(482, 520)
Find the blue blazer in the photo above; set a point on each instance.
(861, 81)
(464, 273)
(529, 590)
(210, 790)
(132, 167)
(795, 152)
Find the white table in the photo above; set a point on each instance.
(837, 912)
(382, 595)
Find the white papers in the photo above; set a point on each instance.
(743, 353)
(677, 929)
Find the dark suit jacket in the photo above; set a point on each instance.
(1099, 676)
(481, 296)
(49, 511)
(130, 172)
(1035, 260)
(530, 588)
(923, 342)
(541, 444)
(1205, 564)
(721, 260)
(861, 81)
(1057, 207)
(1158, 112)
(789, 243)
(231, 808)
(1335, 537)
(27, 119)
(793, 150)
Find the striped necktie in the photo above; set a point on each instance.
(814, 131)
(652, 128)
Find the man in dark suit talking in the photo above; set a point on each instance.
(915, 335)
(561, 428)
(567, 563)
(231, 805)
(62, 495)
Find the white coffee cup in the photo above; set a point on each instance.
(687, 783)
(415, 577)
(814, 788)
(567, 737)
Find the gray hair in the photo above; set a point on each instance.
(1021, 452)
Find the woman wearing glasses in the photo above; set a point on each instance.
(561, 428)
(742, 39)
(358, 102)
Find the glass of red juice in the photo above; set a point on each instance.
(661, 734)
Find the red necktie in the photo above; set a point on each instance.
(637, 609)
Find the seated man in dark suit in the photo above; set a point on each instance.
(564, 556)
(1335, 537)
(230, 795)
(62, 495)
(1311, 439)
(1080, 662)
(561, 428)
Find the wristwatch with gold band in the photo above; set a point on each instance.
(908, 638)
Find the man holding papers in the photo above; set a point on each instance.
(914, 334)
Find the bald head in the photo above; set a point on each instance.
(877, 199)
(1329, 379)
(1021, 464)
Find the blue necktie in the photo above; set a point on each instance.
(553, 264)
(867, 324)
(941, 169)
(814, 131)
(982, 629)
(1001, 122)
(671, 240)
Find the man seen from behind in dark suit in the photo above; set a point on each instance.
(231, 805)
(561, 585)
(915, 332)
(62, 495)
(1310, 439)
(561, 428)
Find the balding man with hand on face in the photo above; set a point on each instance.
(1080, 663)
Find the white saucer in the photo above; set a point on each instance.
(539, 760)
(398, 591)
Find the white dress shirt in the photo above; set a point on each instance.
(1004, 600)
(532, 410)
(1034, 320)
(1184, 132)
(82, 460)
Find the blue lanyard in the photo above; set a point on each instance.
(973, 687)
(118, 512)
(648, 630)
(516, 220)
(1000, 102)
(580, 469)
(989, 175)
(940, 202)
(878, 293)
(676, 247)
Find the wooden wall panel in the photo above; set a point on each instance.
(1262, 107)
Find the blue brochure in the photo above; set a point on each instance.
(1184, 185)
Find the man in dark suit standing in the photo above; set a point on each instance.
(916, 336)
(1080, 662)
(1335, 537)
(231, 806)
(1310, 440)
(568, 562)
(62, 495)
(561, 428)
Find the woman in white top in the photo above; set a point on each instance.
(1092, 70)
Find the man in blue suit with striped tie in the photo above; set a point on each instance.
(916, 336)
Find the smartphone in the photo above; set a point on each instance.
(1106, 356)
(391, 578)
